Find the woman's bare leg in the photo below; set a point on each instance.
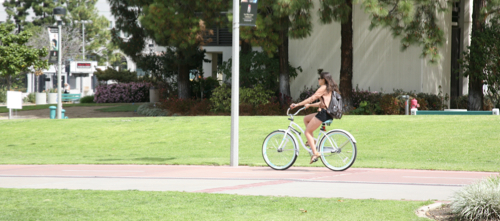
(313, 124)
(308, 118)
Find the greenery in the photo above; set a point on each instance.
(180, 25)
(87, 99)
(221, 97)
(478, 201)
(31, 98)
(46, 204)
(120, 76)
(486, 55)
(436, 142)
(150, 109)
(205, 85)
(3, 96)
(16, 56)
(256, 68)
(46, 106)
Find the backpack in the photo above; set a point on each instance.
(335, 107)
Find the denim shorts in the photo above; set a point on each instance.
(323, 116)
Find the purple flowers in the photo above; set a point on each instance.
(122, 93)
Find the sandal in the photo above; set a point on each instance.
(307, 144)
(314, 158)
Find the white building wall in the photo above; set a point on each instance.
(379, 63)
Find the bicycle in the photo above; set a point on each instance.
(337, 147)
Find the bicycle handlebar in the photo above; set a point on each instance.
(295, 112)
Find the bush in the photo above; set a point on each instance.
(221, 98)
(3, 96)
(87, 99)
(208, 84)
(31, 98)
(478, 201)
(122, 93)
(149, 109)
(367, 108)
(389, 104)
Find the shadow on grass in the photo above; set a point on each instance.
(152, 159)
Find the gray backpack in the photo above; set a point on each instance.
(335, 107)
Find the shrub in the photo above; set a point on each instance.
(31, 98)
(389, 104)
(478, 201)
(208, 84)
(364, 95)
(200, 107)
(122, 93)
(221, 98)
(87, 99)
(271, 108)
(149, 109)
(3, 96)
(177, 105)
(367, 108)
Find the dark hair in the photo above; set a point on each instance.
(331, 85)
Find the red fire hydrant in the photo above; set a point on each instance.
(414, 103)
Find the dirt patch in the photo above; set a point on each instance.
(71, 112)
(442, 213)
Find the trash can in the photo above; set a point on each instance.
(53, 112)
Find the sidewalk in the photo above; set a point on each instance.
(356, 183)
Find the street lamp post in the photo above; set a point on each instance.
(83, 34)
(58, 12)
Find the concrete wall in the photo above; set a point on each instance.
(379, 64)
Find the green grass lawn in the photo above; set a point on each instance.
(45, 204)
(46, 106)
(415, 142)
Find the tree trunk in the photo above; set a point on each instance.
(284, 79)
(9, 82)
(475, 99)
(346, 60)
(246, 47)
(183, 80)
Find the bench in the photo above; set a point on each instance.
(70, 97)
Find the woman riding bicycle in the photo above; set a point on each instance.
(313, 121)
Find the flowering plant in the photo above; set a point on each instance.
(122, 93)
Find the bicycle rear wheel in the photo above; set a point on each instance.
(338, 150)
(278, 151)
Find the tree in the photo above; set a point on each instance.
(341, 11)
(486, 50)
(173, 23)
(481, 63)
(97, 34)
(277, 21)
(15, 55)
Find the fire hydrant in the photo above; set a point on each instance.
(414, 103)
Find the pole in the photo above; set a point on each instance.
(235, 81)
(83, 45)
(59, 54)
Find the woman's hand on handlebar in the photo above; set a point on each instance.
(293, 105)
(307, 106)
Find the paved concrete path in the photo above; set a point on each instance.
(353, 183)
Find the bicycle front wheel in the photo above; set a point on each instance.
(279, 151)
(338, 151)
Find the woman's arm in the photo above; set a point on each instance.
(321, 90)
(313, 105)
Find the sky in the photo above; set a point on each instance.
(102, 7)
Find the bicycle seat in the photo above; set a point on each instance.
(328, 122)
